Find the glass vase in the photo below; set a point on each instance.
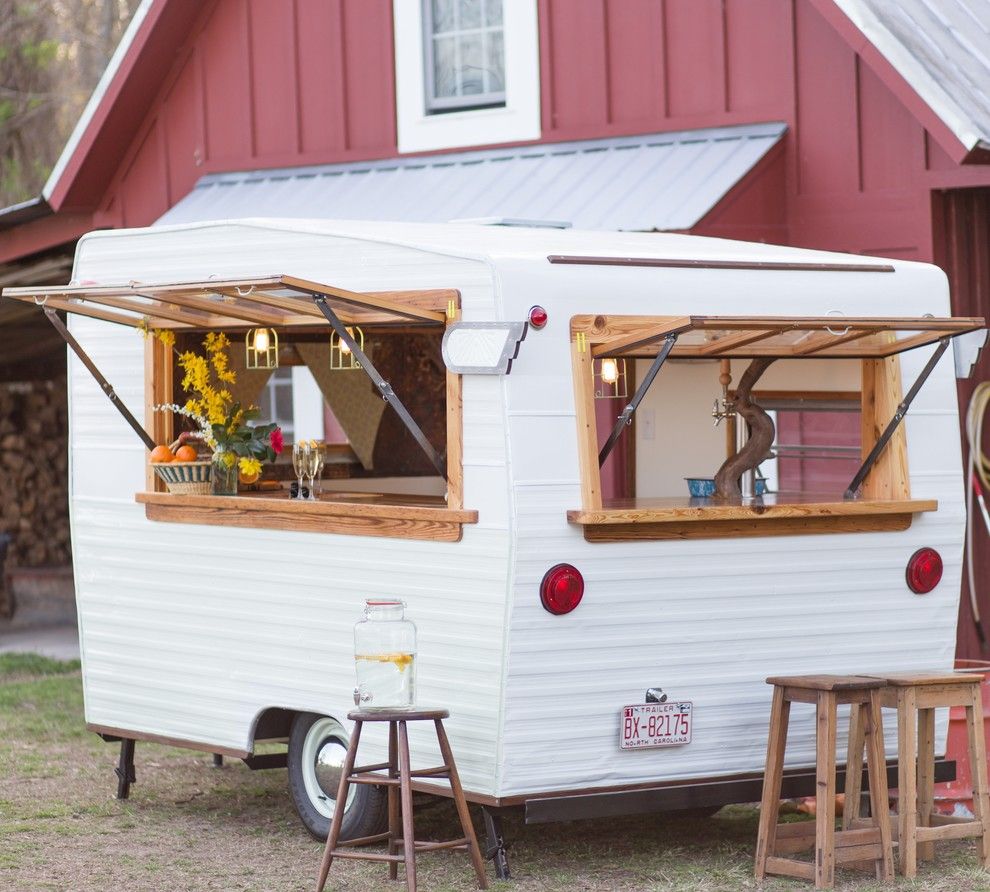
(223, 475)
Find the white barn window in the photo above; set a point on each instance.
(467, 73)
(464, 54)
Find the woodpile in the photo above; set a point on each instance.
(34, 503)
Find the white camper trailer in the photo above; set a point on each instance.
(217, 622)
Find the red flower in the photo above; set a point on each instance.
(276, 440)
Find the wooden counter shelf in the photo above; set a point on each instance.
(356, 514)
(773, 515)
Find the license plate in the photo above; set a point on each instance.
(655, 724)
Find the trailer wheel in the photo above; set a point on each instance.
(317, 744)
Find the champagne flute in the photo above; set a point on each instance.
(312, 467)
(300, 460)
(321, 456)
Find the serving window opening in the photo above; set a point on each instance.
(362, 372)
(808, 408)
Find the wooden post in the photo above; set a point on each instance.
(881, 395)
(587, 430)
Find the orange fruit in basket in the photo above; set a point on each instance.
(162, 454)
(186, 453)
(247, 479)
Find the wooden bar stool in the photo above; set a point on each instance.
(831, 847)
(916, 696)
(399, 783)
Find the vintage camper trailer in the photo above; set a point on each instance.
(553, 599)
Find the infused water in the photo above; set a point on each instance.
(386, 680)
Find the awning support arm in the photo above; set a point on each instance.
(627, 413)
(105, 385)
(902, 410)
(383, 386)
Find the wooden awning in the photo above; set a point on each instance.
(784, 337)
(274, 301)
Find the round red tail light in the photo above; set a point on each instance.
(538, 316)
(924, 570)
(561, 589)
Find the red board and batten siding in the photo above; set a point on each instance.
(258, 84)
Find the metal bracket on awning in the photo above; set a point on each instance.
(388, 394)
(627, 413)
(105, 385)
(902, 410)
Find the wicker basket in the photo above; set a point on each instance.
(185, 477)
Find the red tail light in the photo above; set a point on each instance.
(538, 316)
(924, 570)
(561, 589)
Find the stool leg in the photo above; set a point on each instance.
(926, 778)
(338, 812)
(393, 802)
(907, 793)
(405, 790)
(766, 839)
(825, 791)
(854, 765)
(877, 773)
(978, 765)
(462, 807)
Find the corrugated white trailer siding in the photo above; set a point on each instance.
(191, 631)
(706, 620)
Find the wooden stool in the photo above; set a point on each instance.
(831, 847)
(399, 783)
(916, 696)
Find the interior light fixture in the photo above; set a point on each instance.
(610, 378)
(341, 356)
(261, 349)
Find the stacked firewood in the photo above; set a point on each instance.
(34, 505)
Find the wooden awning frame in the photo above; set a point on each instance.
(634, 336)
(246, 302)
(826, 337)
(272, 301)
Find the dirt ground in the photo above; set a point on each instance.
(189, 826)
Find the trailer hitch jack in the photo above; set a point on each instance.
(495, 847)
(125, 768)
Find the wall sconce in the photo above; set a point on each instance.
(261, 349)
(611, 381)
(341, 357)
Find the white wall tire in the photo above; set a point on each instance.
(317, 745)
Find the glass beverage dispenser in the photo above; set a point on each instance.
(385, 656)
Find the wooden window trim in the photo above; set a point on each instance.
(885, 503)
(367, 514)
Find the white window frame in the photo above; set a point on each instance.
(516, 121)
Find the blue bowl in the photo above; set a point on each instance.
(704, 487)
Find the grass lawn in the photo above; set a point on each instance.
(188, 826)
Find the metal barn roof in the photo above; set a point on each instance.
(942, 49)
(665, 181)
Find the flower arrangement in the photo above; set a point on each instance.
(223, 424)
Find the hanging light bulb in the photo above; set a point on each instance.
(341, 356)
(261, 349)
(610, 371)
(611, 380)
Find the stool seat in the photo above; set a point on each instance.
(398, 782)
(921, 679)
(775, 842)
(386, 714)
(826, 682)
